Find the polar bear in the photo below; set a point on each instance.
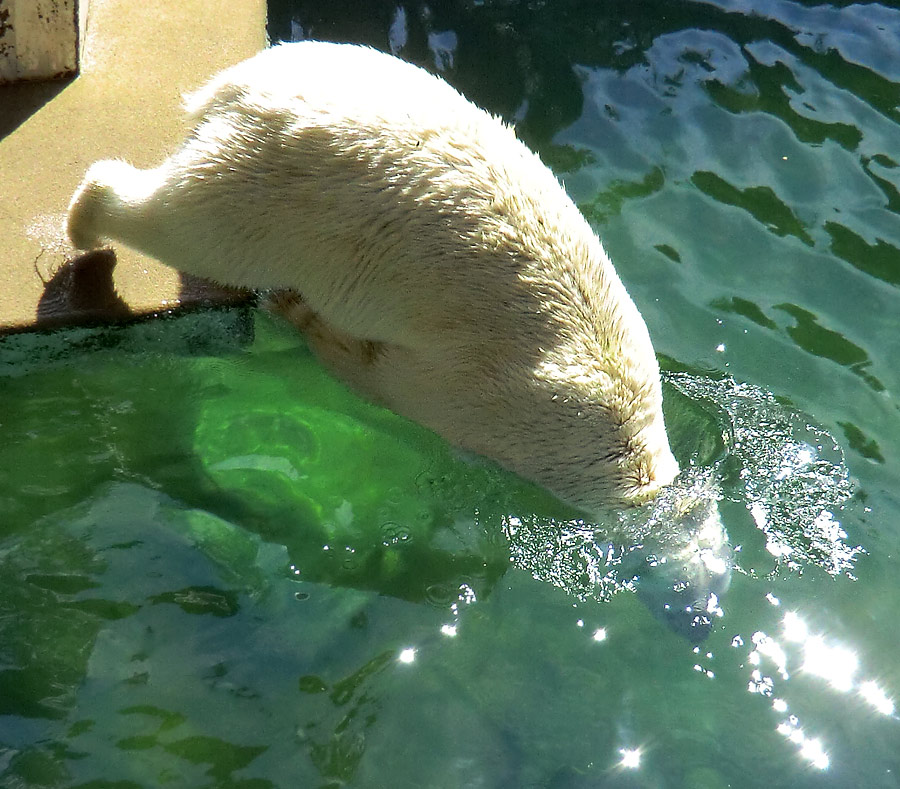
(433, 261)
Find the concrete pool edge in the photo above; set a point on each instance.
(138, 61)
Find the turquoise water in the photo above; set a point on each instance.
(218, 568)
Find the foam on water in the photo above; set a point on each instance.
(789, 473)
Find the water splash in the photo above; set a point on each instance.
(675, 552)
(790, 474)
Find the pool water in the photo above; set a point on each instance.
(220, 568)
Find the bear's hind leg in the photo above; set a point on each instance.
(110, 204)
(353, 360)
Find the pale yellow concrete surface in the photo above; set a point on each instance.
(138, 60)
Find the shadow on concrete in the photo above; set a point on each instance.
(20, 100)
(199, 292)
(82, 292)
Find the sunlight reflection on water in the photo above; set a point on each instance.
(770, 662)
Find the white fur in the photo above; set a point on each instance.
(434, 262)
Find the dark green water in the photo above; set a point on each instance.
(218, 568)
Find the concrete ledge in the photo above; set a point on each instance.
(38, 39)
(138, 59)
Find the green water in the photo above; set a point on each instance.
(218, 568)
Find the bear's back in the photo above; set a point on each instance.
(429, 193)
(340, 79)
